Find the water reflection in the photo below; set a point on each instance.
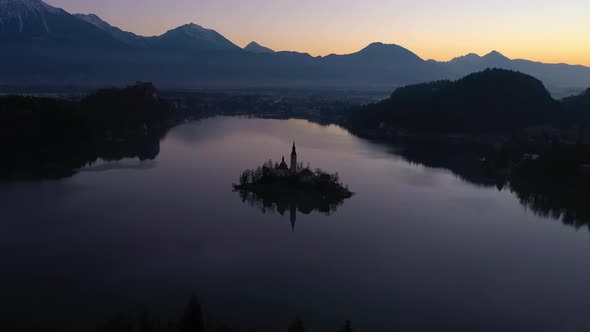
(567, 204)
(415, 249)
(292, 202)
(461, 159)
(564, 204)
(67, 161)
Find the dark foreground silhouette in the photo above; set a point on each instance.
(193, 319)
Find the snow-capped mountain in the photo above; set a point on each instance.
(41, 44)
(124, 36)
(24, 7)
(34, 23)
(27, 16)
(195, 38)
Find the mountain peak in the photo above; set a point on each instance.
(495, 55)
(377, 45)
(193, 26)
(254, 47)
(472, 56)
(388, 52)
(467, 58)
(194, 30)
(195, 37)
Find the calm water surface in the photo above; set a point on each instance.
(415, 249)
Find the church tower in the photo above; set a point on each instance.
(294, 161)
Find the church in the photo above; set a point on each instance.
(283, 169)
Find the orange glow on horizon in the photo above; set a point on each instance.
(539, 30)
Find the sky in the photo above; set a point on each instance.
(551, 31)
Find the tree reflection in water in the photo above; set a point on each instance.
(292, 201)
(563, 201)
(569, 204)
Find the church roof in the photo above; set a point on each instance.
(283, 165)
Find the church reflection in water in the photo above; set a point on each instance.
(292, 203)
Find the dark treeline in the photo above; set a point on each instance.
(577, 108)
(46, 138)
(193, 319)
(494, 101)
(555, 185)
(496, 127)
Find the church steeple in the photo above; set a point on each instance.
(293, 168)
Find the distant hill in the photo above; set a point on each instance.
(381, 63)
(578, 107)
(581, 101)
(47, 46)
(492, 101)
(254, 47)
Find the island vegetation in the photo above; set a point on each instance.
(268, 178)
(278, 187)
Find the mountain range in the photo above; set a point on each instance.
(43, 45)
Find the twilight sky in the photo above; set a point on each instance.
(542, 30)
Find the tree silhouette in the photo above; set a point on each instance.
(296, 325)
(192, 319)
(347, 327)
(495, 100)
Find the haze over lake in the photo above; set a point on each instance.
(416, 248)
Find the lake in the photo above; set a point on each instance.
(416, 248)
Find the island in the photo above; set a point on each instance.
(280, 187)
